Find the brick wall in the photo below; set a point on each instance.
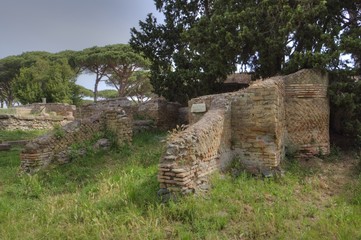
(89, 110)
(307, 112)
(53, 109)
(53, 148)
(29, 122)
(258, 123)
(197, 151)
(37, 116)
(253, 126)
(164, 114)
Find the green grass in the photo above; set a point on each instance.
(112, 195)
(19, 134)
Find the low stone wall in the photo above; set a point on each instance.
(37, 116)
(164, 114)
(53, 148)
(253, 126)
(30, 122)
(63, 110)
(196, 152)
(89, 110)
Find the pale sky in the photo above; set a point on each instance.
(57, 25)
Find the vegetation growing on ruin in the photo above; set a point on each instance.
(19, 134)
(112, 195)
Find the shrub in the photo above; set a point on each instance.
(345, 103)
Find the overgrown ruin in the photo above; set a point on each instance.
(117, 116)
(37, 116)
(255, 126)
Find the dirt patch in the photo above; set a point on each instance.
(331, 178)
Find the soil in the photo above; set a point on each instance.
(333, 175)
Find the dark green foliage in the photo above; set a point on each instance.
(9, 69)
(53, 80)
(178, 71)
(202, 41)
(345, 99)
(31, 76)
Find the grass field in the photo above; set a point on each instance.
(112, 195)
(19, 135)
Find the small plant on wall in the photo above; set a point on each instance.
(172, 134)
(58, 131)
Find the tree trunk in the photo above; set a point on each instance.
(96, 89)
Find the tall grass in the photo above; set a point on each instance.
(112, 195)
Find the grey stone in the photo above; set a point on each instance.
(163, 191)
(102, 143)
(4, 147)
(204, 187)
(267, 173)
(198, 108)
(32, 146)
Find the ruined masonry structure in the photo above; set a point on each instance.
(53, 148)
(37, 116)
(255, 126)
(114, 115)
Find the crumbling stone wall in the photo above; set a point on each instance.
(163, 113)
(53, 148)
(30, 122)
(197, 151)
(63, 110)
(37, 116)
(253, 126)
(89, 110)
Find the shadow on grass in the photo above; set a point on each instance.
(83, 172)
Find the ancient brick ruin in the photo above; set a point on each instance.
(114, 115)
(255, 126)
(53, 148)
(37, 116)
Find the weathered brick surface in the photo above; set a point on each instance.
(164, 114)
(53, 148)
(307, 112)
(254, 126)
(197, 151)
(90, 110)
(258, 123)
(30, 122)
(37, 116)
